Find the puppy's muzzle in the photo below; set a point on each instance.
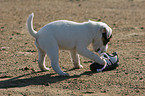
(105, 42)
(99, 51)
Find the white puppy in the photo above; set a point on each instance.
(71, 36)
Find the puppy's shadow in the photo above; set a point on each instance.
(22, 80)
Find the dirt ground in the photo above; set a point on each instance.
(19, 71)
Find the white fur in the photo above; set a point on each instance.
(71, 36)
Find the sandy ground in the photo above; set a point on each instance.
(19, 71)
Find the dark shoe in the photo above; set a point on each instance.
(112, 63)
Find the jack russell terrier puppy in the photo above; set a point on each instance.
(72, 36)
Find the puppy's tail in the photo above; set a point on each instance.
(30, 26)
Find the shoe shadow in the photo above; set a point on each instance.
(22, 81)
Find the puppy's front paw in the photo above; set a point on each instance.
(79, 67)
(44, 69)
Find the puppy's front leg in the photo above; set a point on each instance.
(87, 53)
(75, 59)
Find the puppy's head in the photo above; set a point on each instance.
(105, 34)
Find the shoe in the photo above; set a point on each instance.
(112, 62)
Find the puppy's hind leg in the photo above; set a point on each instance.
(41, 60)
(75, 59)
(53, 54)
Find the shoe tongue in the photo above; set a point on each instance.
(113, 58)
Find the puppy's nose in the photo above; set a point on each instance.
(99, 51)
